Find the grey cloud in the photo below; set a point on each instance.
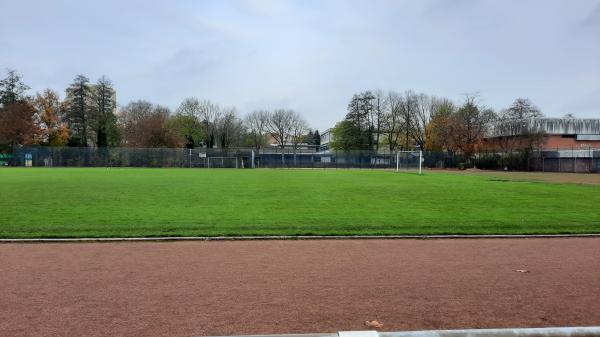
(593, 19)
(313, 55)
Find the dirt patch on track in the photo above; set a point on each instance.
(551, 177)
(223, 288)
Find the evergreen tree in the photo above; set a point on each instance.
(358, 124)
(12, 89)
(347, 136)
(103, 108)
(316, 138)
(79, 112)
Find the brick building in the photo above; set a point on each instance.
(560, 133)
(562, 144)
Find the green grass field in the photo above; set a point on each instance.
(102, 202)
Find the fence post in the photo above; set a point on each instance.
(574, 160)
(397, 161)
(420, 162)
(253, 159)
(543, 161)
(591, 162)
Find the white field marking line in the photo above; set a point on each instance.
(297, 237)
(587, 331)
(360, 333)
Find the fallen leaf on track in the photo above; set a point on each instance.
(374, 324)
(522, 271)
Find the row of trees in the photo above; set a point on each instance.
(375, 120)
(285, 127)
(409, 120)
(85, 117)
(88, 116)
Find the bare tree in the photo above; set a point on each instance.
(523, 108)
(209, 115)
(425, 107)
(229, 128)
(408, 109)
(377, 115)
(256, 122)
(189, 107)
(299, 127)
(280, 126)
(144, 124)
(513, 129)
(392, 120)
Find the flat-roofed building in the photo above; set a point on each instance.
(559, 133)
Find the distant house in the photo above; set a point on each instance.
(288, 144)
(326, 140)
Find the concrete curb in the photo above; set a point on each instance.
(298, 237)
(592, 331)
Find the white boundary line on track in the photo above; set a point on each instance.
(586, 331)
(297, 237)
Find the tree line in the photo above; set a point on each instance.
(88, 116)
(377, 120)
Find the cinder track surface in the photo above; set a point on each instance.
(252, 287)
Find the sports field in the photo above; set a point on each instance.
(110, 202)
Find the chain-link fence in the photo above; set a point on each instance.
(559, 160)
(574, 160)
(208, 158)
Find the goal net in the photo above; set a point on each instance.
(223, 162)
(409, 161)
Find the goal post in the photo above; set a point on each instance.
(222, 162)
(409, 160)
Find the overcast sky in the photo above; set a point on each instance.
(311, 56)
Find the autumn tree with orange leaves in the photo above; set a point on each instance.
(18, 117)
(19, 125)
(468, 126)
(55, 131)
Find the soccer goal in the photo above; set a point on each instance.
(223, 162)
(409, 161)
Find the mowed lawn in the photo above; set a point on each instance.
(110, 202)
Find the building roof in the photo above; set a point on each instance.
(551, 126)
